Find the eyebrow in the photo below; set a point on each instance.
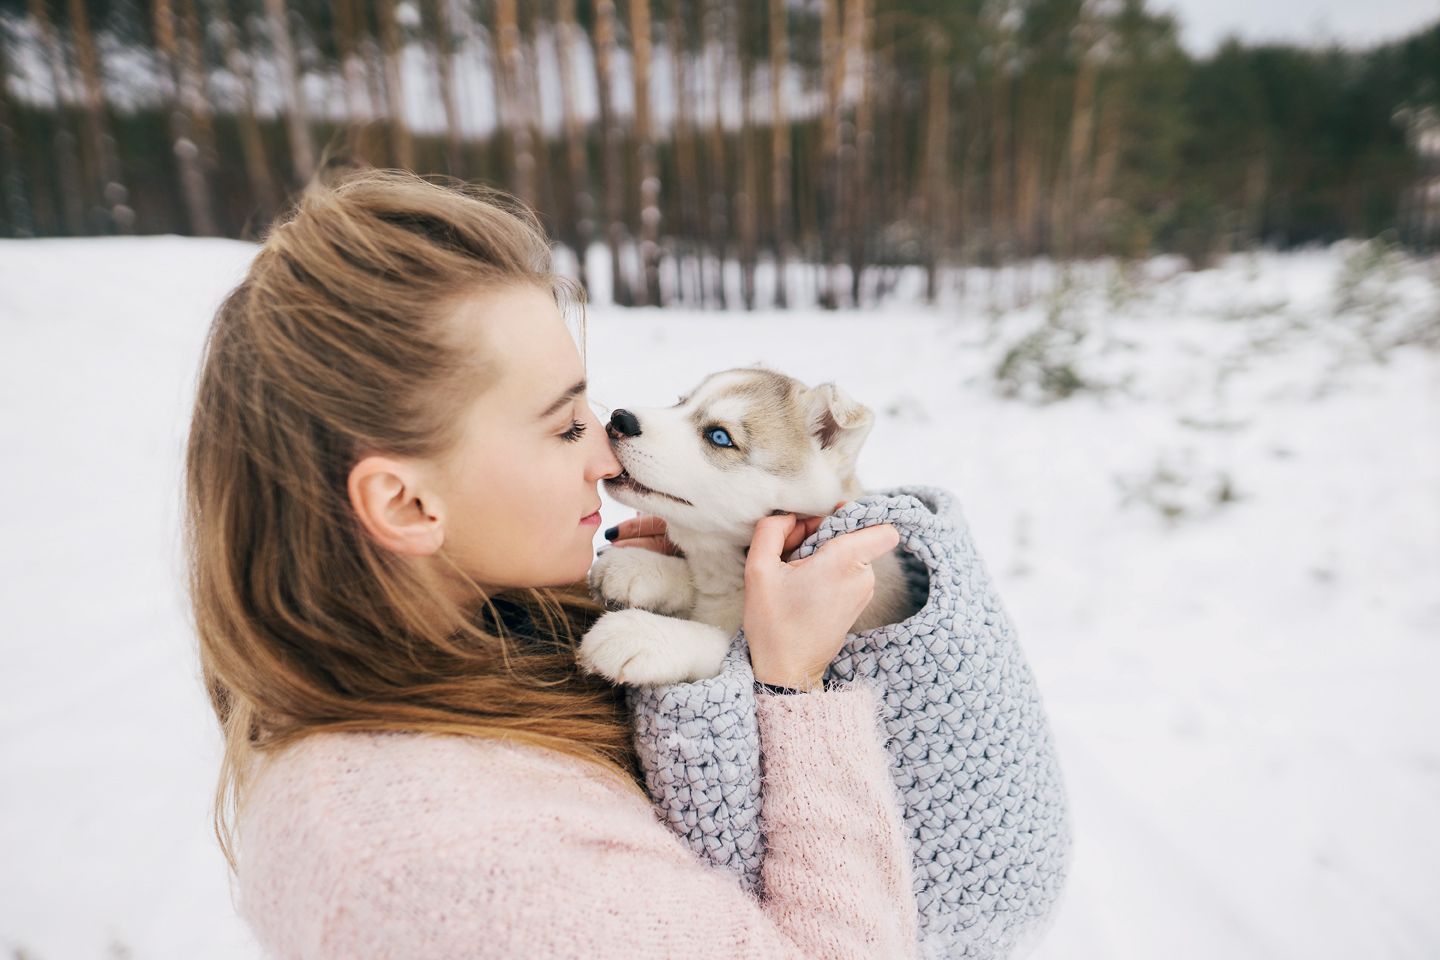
(574, 391)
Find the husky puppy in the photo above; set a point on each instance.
(745, 443)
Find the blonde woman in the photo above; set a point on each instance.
(391, 497)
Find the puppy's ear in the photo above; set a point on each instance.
(838, 422)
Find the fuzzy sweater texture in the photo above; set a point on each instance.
(355, 846)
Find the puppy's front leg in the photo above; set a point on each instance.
(647, 579)
(640, 647)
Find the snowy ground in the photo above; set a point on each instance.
(1222, 554)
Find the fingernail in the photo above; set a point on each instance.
(612, 532)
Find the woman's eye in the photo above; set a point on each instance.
(720, 437)
(576, 431)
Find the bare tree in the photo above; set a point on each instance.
(780, 161)
(859, 66)
(14, 204)
(297, 114)
(75, 185)
(687, 165)
(747, 201)
(613, 158)
(103, 159)
(445, 68)
(935, 185)
(252, 144)
(719, 194)
(515, 124)
(649, 167)
(393, 45)
(578, 217)
(194, 186)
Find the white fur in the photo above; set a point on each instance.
(703, 592)
(635, 577)
(640, 647)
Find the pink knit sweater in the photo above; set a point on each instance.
(400, 845)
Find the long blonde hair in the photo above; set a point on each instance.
(334, 343)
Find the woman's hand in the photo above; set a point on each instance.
(648, 531)
(798, 612)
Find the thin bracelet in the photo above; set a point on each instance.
(825, 685)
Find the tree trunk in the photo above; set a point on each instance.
(352, 81)
(833, 51)
(252, 144)
(747, 202)
(687, 166)
(194, 187)
(297, 114)
(780, 161)
(75, 186)
(530, 111)
(517, 127)
(1082, 133)
(101, 148)
(579, 216)
(649, 167)
(613, 156)
(860, 61)
(393, 45)
(719, 168)
(14, 205)
(445, 67)
(935, 186)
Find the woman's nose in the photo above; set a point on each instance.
(604, 464)
(623, 424)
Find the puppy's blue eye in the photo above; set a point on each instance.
(720, 437)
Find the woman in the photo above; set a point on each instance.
(391, 494)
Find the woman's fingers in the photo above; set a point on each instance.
(801, 533)
(645, 525)
(767, 543)
(660, 544)
(861, 546)
(646, 531)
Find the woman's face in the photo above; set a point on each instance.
(520, 485)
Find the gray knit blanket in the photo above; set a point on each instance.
(971, 751)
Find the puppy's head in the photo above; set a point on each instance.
(742, 444)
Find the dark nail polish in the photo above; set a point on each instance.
(612, 532)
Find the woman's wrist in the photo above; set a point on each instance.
(815, 686)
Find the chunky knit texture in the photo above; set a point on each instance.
(363, 846)
(970, 750)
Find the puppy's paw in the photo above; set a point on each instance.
(632, 646)
(637, 577)
(639, 647)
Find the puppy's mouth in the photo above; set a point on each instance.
(626, 482)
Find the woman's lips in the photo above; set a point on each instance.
(591, 518)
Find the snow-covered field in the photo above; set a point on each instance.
(1222, 553)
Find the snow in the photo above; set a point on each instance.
(1222, 560)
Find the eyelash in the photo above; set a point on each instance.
(576, 431)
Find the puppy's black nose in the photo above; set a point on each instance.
(623, 424)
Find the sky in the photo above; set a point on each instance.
(1205, 23)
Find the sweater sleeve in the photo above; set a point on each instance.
(837, 873)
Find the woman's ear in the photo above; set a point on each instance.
(388, 497)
